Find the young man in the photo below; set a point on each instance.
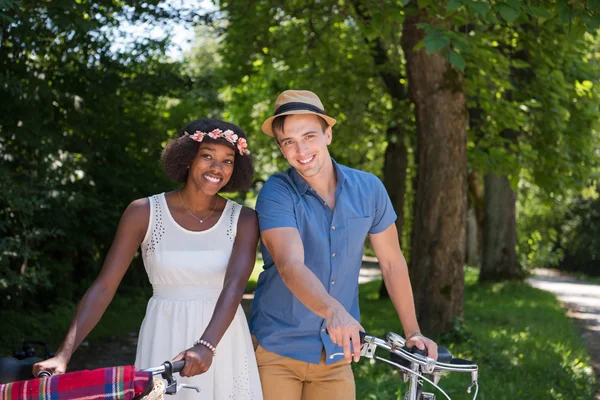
(314, 219)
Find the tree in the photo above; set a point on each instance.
(520, 107)
(439, 230)
(82, 128)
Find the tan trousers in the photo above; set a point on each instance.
(284, 378)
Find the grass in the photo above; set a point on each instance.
(123, 316)
(585, 278)
(525, 346)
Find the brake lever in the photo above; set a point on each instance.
(187, 386)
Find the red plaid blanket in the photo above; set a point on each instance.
(116, 383)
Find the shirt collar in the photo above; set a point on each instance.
(302, 186)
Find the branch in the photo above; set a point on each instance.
(380, 57)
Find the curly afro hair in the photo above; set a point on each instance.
(179, 154)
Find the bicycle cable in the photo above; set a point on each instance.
(414, 373)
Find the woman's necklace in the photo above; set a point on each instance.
(192, 214)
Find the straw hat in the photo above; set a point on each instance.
(296, 102)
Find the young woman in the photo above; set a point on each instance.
(198, 250)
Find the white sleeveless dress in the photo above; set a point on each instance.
(186, 270)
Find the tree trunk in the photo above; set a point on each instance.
(439, 229)
(394, 179)
(473, 242)
(500, 228)
(396, 156)
(475, 220)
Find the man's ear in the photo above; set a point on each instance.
(278, 144)
(329, 134)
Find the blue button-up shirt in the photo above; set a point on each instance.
(333, 247)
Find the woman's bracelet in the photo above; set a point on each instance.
(206, 344)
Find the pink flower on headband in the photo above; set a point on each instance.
(215, 134)
(197, 136)
(230, 136)
(241, 145)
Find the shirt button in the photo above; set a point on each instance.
(333, 228)
(324, 203)
(323, 330)
(333, 255)
(333, 282)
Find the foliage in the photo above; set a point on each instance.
(123, 316)
(335, 63)
(580, 234)
(82, 127)
(507, 329)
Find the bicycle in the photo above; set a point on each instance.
(415, 364)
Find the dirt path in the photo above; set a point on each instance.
(582, 302)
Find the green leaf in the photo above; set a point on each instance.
(594, 5)
(480, 8)
(539, 12)
(454, 5)
(461, 45)
(490, 18)
(516, 4)
(424, 3)
(457, 60)
(435, 41)
(519, 64)
(419, 45)
(425, 26)
(508, 13)
(578, 29)
(404, 2)
(592, 22)
(564, 11)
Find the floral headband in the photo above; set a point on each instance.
(228, 135)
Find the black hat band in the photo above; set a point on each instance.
(296, 105)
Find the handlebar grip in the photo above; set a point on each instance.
(12, 370)
(178, 366)
(416, 350)
(362, 336)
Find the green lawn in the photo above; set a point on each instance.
(525, 346)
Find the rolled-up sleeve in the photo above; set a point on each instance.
(275, 205)
(384, 214)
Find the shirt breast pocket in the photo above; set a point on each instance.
(358, 228)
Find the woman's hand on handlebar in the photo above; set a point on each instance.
(198, 360)
(422, 342)
(56, 365)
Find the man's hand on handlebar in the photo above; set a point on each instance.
(198, 360)
(422, 343)
(343, 329)
(55, 366)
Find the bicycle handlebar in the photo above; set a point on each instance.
(167, 367)
(396, 345)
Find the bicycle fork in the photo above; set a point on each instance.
(414, 384)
